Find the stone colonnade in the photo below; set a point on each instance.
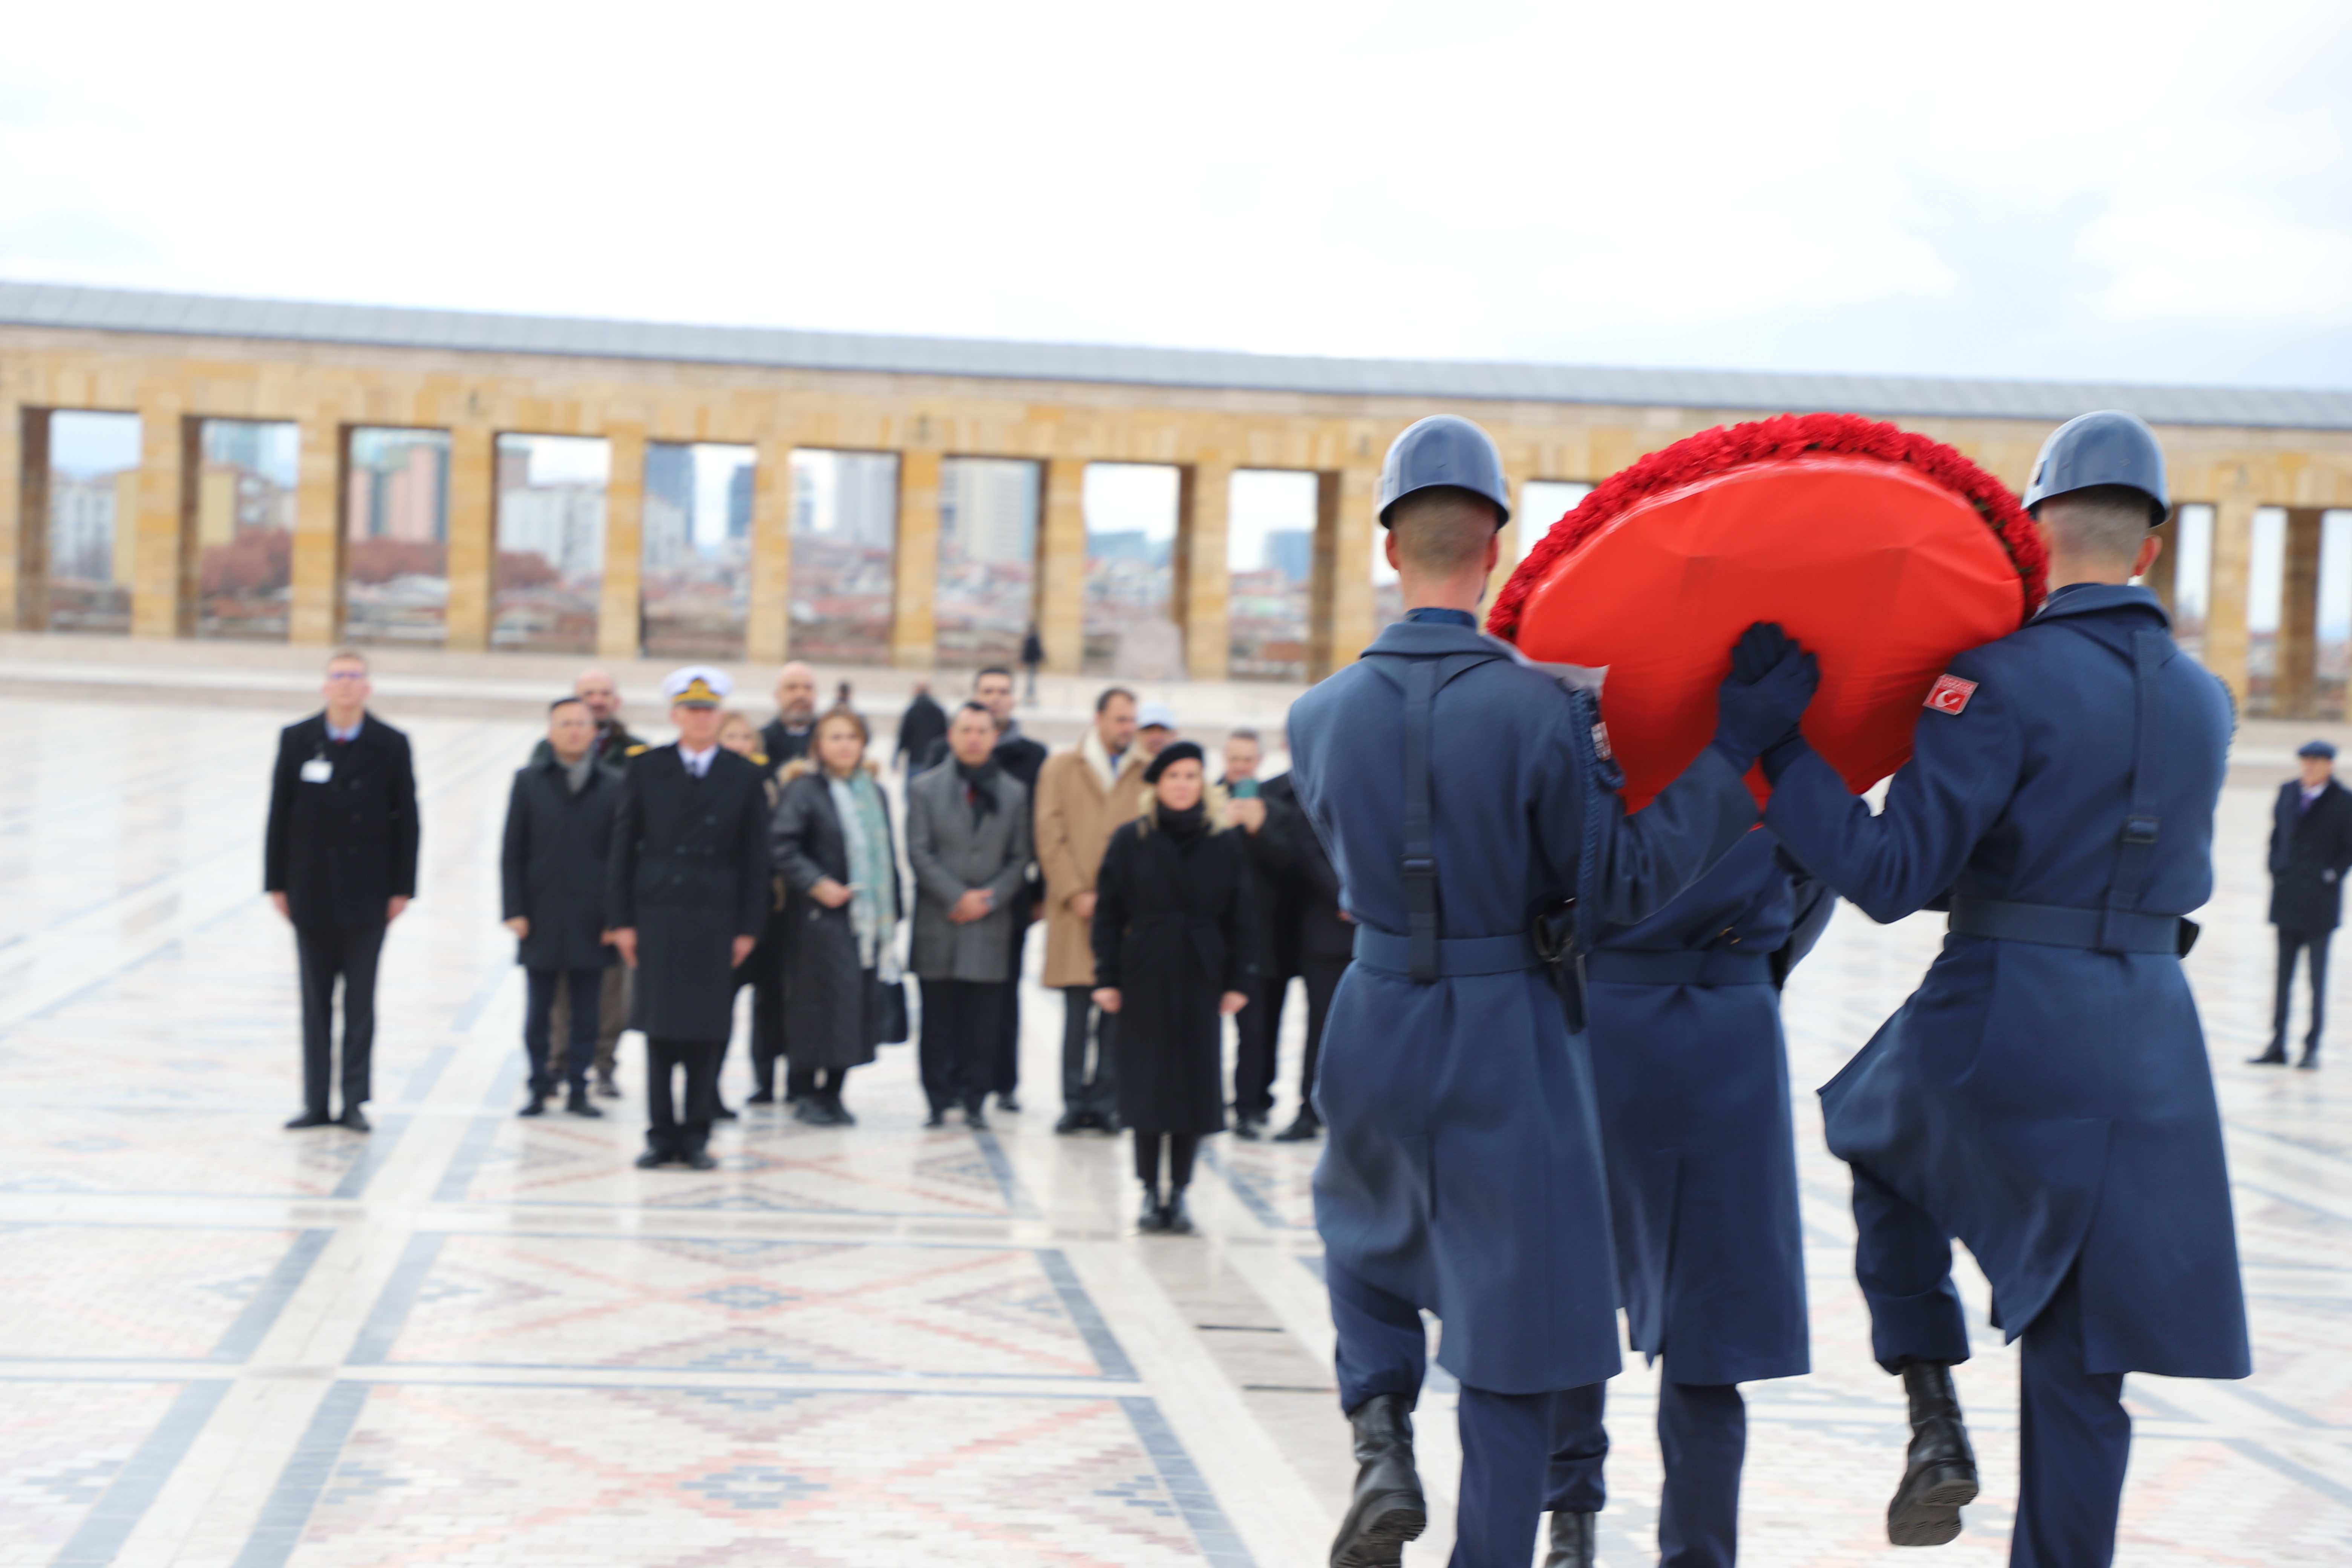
(174, 382)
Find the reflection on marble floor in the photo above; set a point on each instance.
(472, 1339)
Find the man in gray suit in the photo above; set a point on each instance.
(967, 839)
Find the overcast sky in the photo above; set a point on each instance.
(2156, 191)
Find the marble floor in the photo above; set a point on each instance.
(470, 1340)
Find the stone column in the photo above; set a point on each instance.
(315, 616)
(620, 604)
(162, 584)
(767, 633)
(1203, 588)
(2163, 578)
(2295, 689)
(2225, 611)
(1339, 601)
(1507, 559)
(473, 535)
(914, 586)
(1062, 565)
(24, 517)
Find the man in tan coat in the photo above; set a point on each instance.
(1083, 797)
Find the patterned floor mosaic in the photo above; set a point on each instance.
(472, 1339)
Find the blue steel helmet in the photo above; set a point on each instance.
(2109, 447)
(1448, 451)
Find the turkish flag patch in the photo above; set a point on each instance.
(1950, 694)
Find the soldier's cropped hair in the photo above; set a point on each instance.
(1442, 529)
(346, 654)
(1109, 692)
(2105, 521)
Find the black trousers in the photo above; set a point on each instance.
(1322, 977)
(2289, 943)
(330, 953)
(957, 1052)
(1703, 1438)
(1181, 1147)
(1004, 1073)
(670, 1133)
(542, 988)
(1088, 1086)
(2074, 1435)
(1257, 1040)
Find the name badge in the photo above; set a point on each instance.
(317, 770)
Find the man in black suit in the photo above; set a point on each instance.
(1322, 944)
(340, 863)
(551, 879)
(686, 892)
(2311, 848)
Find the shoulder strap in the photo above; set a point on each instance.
(1420, 680)
(2137, 847)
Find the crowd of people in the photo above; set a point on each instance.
(646, 886)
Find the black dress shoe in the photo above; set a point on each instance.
(1249, 1127)
(762, 1097)
(352, 1118)
(1572, 1540)
(838, 1114)
(535, 1106)
(577, 1103)
(1939, 1473)
(652, 1158)
(2310, 1058)
(1302, 1130)
(1006, 1103)
(1071, 1121)
(309, 1119)
(606, 1087)
(975, 1116)
(809, 1112)
(936, 1118)
(720, 1113)
(1173, 1219)
(700, 1160)
(2274, 1058)
(1388, 1509)
(1153, 1216)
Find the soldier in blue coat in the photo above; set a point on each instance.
(1692, 1078)
(1459, 793)
(2044, 1095)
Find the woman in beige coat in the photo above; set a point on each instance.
(1083, 797)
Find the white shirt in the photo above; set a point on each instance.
(696, 762)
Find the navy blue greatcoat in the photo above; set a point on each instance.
(2051, 1106)
(1463, 1170)
(1693, 1092)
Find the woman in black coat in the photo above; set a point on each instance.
(833, 844)
(1172, 940)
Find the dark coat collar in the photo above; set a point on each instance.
(1429, 639)
(2103, 598)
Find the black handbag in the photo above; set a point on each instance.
(890, 1013)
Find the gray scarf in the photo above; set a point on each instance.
(575, 774)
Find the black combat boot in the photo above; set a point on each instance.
(1572, 1540)
(1152, 1217)
(1388, 1509)
(1939, 1473)
(1173, 1216)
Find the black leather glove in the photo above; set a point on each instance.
(1758, 707)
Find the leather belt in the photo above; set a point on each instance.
(2055, 925)
(1709, 966)
(1457, 957)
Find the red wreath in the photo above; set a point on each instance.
(1752, 493)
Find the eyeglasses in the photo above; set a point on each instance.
(347, 675)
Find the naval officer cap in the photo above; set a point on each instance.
(698, 685)
(2317, 749)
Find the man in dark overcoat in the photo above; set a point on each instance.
(1322, 942)
(2311, 848)
(688, 894)
(969, 840)
(1692, 1079)
(612, 747)
(340, 863)
(1266, 822)
(923, 723)
(559, 836)
(1463, 1173)
(2044, 1096)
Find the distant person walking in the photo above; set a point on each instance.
(559, 837)
(1083, 797)
(1173, 945)
(923, 724)
(968, 841)
(2311, 848)
(1032, 654)
(831, 844)
(340, 862)
(688, 894)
